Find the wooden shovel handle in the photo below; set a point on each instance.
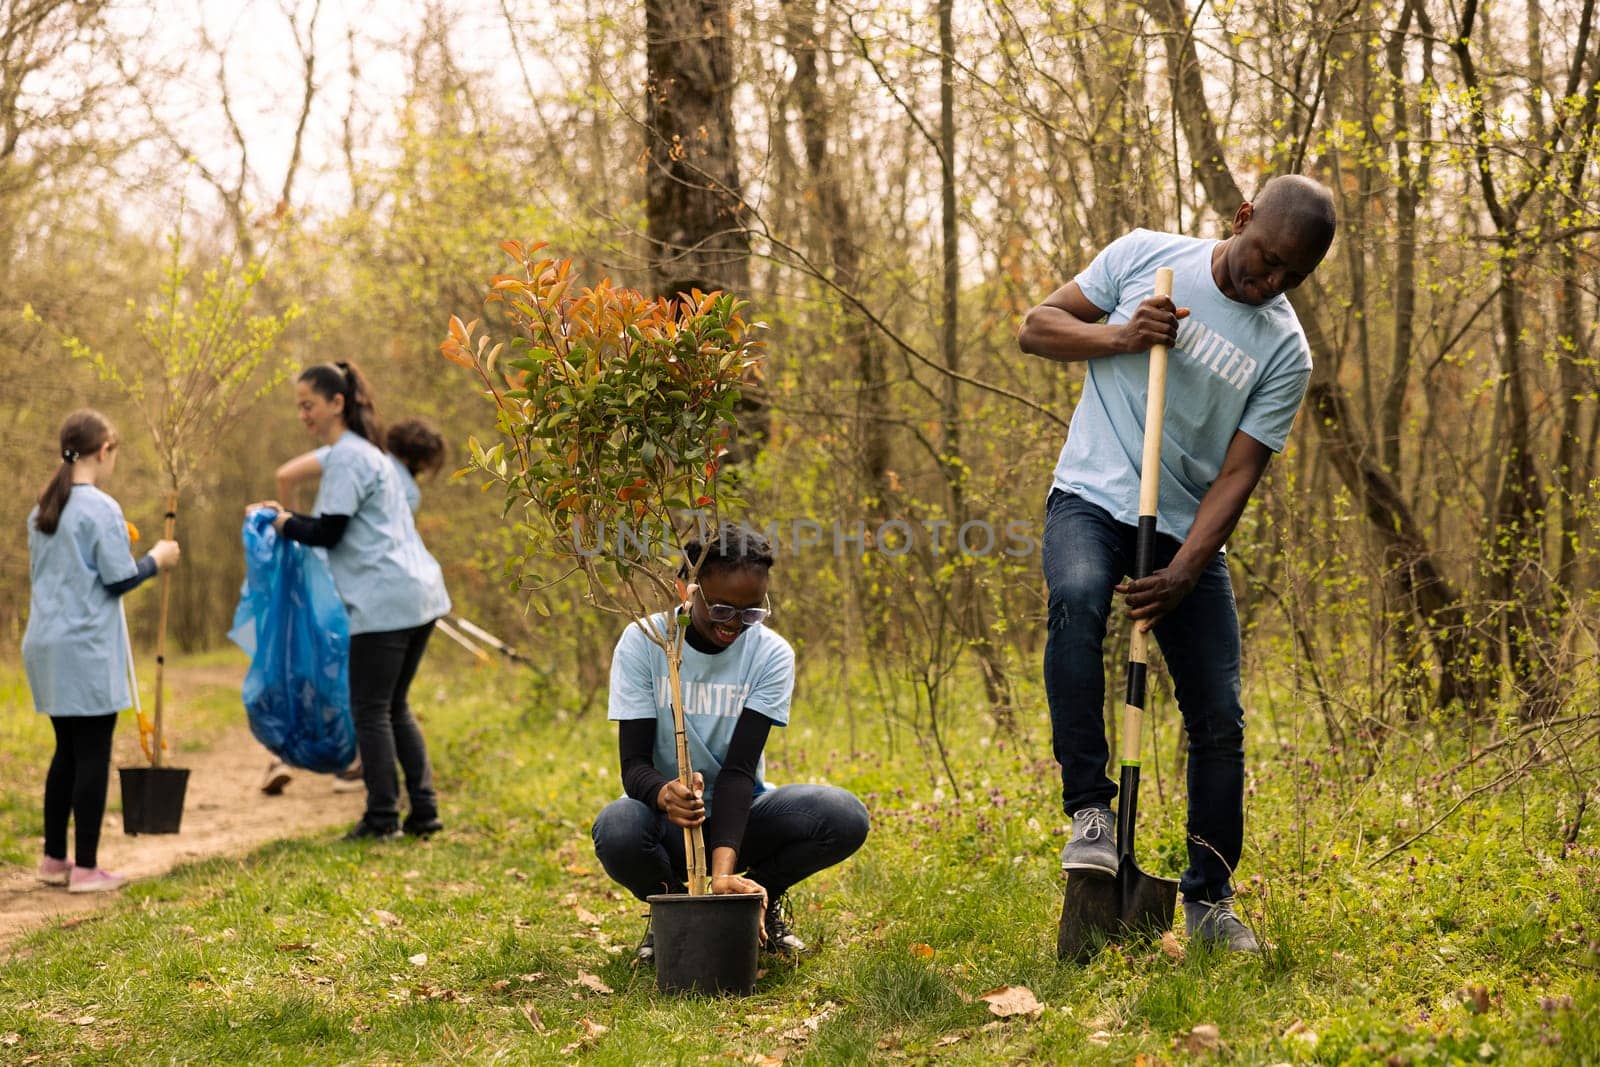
(1155, 409)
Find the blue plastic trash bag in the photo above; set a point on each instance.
(292, 622)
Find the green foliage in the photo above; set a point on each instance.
(196, 369)
(613, 409)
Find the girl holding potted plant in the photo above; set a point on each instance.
(76, 647)
(737, 679)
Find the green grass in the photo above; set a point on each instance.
(1476, 945)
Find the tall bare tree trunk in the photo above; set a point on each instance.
(840, 237)
(695, 212)
(973, 606)
(1515, 573)
(696, 221)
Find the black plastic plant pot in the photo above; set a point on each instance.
(152, 799)
(706, 944)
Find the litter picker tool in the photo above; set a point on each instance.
(461, 639)
(1096, 908)
(468, 627)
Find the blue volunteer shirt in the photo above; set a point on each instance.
(385, 575)
(755, 672)
(75, 649)
(1234, 367)
(408, 484)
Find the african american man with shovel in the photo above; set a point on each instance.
(1238, 371)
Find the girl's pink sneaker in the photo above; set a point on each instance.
(94, 880)
(53, 871)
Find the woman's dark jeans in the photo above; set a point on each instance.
(1087, 552)
(794, 831)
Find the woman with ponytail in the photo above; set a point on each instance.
(391, 587)
(76, 645)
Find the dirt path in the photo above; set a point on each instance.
(224, 814)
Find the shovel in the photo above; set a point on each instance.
(1097, 909)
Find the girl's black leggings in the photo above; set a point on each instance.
(76, 785)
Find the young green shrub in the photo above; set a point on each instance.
(202, 360)
(613, 410)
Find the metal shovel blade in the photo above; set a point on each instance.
(1096, 909)
(1145, 903)
(1091, 913)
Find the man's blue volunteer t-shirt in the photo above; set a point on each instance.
(756, 672)
(1234, 367)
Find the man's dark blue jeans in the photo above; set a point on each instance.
(794, 831)
(1087, 552)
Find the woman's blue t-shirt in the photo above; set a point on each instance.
(385, 575)
(755, 672)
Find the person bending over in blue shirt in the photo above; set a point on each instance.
(413, 448)
(391, 586)
(1237, 371)
(737, 680)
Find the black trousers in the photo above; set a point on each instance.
(381, 668)
(75, 785)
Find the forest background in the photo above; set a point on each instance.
(891, 185)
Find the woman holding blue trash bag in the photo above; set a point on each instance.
(414, 449)
(392, 589)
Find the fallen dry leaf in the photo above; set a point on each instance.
(1172, 948)
(577, 869)
(925, 951)
(591, 1030)
(83, 1020)
(585, 916)
(419, 960)
(590, 981)
(950, 1039)
(1298, 1031)
(535, 1020)
(379, 917)
(12, 1038)
(760, 1060)
(810, 1025)
(1142, 1060)
(1100, 1037)
(295, 946)
(1012, 1000)
(1203, 1038)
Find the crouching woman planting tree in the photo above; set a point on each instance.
(737, 677)
(613, 413)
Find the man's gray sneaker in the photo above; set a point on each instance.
(1218, 926)
(1093, 845)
